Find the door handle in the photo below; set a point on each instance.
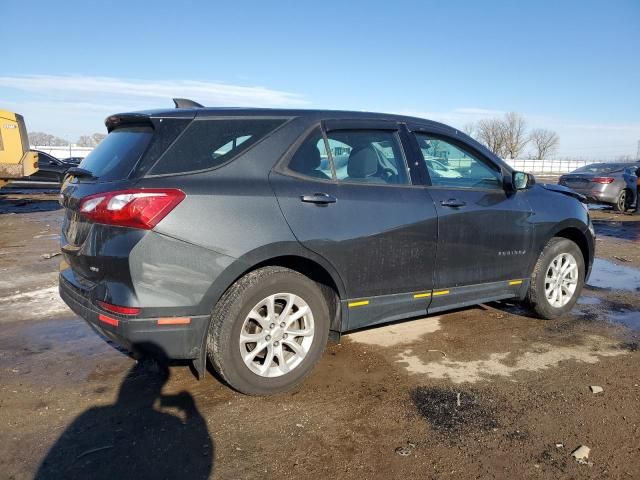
(319, 198)
(453, 202)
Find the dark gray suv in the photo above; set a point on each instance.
(248, 236)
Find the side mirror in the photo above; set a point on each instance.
(522, 181)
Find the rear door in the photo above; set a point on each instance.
(484, 234)
(348, 195)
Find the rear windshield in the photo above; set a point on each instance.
(118, 153)
(207, 144)
(601, 168)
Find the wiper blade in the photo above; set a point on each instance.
(80, 172)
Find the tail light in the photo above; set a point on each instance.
(604, 180)
(137, 208)
(118, 309)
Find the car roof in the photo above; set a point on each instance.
(311, 114)
(40, 152)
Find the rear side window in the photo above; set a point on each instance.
(209, 143)
(367, 156)
(311, 159)
(118, 153)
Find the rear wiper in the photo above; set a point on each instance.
(80, 172)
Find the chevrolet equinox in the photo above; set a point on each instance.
(248, 237)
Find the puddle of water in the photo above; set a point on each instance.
(606, 274)
(541, 357)
(397, 334)
(589, 301)
(627, 318)
(28, 206)
(629, 230)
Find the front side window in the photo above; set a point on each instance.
(311, 159)
(210, 143)
(367, 156)
(450, 166)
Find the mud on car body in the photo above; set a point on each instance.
(247, 237)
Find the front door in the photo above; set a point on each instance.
(484, 234)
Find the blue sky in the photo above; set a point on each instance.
(572, 66)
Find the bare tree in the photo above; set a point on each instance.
(491, 132)
(90, 140)
(97, 138)
(470, 129)
(84, 141)
(45, 139)
(515, 134)
(544, 142)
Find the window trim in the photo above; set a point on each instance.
(360, 124)
(282, 166)
(286, 121)
(458, 143)
(396, 134)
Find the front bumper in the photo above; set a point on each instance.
(141, 335)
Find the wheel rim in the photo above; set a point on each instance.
(622, 201)
(276, 335)
(561, 280)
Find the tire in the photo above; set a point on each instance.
(621, 201)
(230, 318)
(537, 294)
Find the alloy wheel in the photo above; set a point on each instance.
(622, 201)
(276, 335)
(561, 280)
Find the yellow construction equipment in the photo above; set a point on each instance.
(16, 161)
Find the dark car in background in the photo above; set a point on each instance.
(247, 237)
(74, 161)
(50, 169)
(602, 183)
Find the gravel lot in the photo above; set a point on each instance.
(484, 392)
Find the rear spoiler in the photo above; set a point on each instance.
(114, 121)
(145, 117)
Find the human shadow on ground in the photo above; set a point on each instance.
(132, 438)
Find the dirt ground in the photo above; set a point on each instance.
(484, 392)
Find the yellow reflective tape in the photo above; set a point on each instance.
(361, 303)
(422, 295)
(515, 282)
(441, 292)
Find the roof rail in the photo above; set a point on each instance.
(186, 103)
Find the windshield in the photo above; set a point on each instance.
(118, 153)
(601, 168)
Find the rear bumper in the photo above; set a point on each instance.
(607, 195)
(143, 335)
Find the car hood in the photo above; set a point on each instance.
(565, 190)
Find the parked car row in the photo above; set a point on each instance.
(605, 183)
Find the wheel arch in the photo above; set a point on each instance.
(292, 256)
(574, 229)
(580, 239)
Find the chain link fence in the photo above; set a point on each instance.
(551, 167)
